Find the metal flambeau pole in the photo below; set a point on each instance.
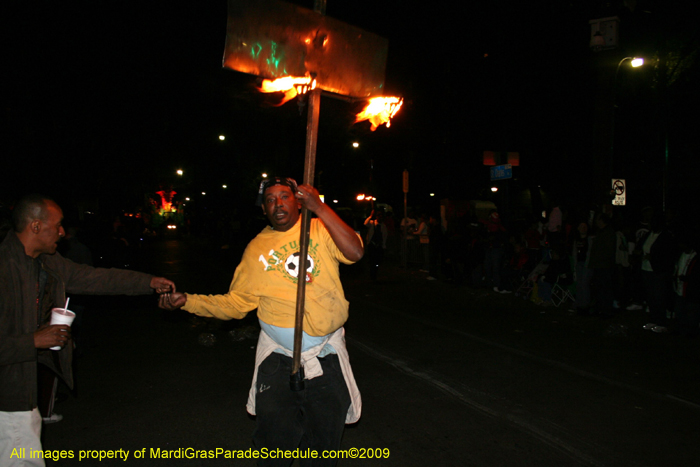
(296, 379)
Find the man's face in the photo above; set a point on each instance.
(281, 207)
(50, 230)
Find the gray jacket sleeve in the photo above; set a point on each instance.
(87, 280)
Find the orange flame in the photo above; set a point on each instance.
(380, 110)
(291, 86)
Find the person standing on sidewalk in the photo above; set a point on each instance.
(687, 285)
(33, 280)
(377, 234)
(637, 295)
(423, 233)
(602, 262)
(495, 249)
(266, 279)
(582, 272)
(659, 256)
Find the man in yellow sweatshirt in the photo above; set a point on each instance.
(266, 279)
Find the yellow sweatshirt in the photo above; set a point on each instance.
(266, 279)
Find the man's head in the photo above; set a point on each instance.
(582, 229)
(602, 220)
(37, 221)
(279, 202)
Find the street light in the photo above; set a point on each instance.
(635, 62)
(180, 172)
(355, 145)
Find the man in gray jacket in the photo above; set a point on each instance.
(33, 280)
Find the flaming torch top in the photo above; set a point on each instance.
(380, 110)
(291, 86)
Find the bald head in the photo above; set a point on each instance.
(28, 209)
(38, 226)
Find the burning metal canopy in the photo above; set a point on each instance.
(272, 39)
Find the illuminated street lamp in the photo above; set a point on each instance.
(635, 62)
(494, 189)
(264, 175)
(179, 172)
(355, 145)
(222, 137)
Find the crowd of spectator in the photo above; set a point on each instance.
(600, 261)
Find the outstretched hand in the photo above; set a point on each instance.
(162, 285)
(172, 301)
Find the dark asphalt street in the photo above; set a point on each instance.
(449, 375)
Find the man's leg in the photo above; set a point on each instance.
(655, 288)
(278, 419)
(48, 388)
(497, 258)
(325, 407)
(20, 430)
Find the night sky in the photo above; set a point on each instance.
(107, 99)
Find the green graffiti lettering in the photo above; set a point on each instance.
(273, 61)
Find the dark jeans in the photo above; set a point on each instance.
(602, 284)
(583, 286)
(433, 259)
(658, 290)
(425, 254)
(312, 418)
(493, 264)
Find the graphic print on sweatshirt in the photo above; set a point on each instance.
(285, 260)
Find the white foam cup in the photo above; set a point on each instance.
(61, 316)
